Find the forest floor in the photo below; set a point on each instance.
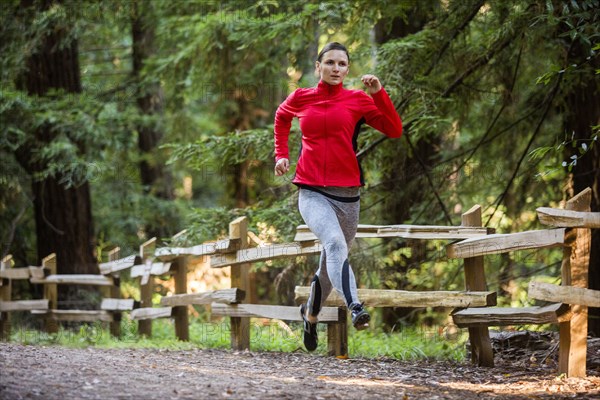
(53, 372)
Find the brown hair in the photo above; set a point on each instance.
(333, 46)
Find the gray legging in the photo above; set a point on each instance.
(334, 222)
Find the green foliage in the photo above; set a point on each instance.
(578, 148)
(410, 344)
(75, 123)
(233, 148)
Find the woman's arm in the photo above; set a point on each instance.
(283, 121)
(380, 112)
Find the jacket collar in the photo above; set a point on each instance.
(329, 90)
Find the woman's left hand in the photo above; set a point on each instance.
(372, 83)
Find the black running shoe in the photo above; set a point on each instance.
(310, 331)
(360, 316)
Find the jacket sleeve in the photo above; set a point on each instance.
(380, 113)
(283, 121)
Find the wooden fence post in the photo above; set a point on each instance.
(5, 295)
(114, 292)
(240, 327)
(337, 334)
(575, 266)
(481, 347)
(146, 288)
(182, 329)
(50, 292)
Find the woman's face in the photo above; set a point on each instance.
(333, 67)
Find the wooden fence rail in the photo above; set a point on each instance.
(405, 298)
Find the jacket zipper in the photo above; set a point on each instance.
(327, 97)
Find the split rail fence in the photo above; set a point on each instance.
(474, 308)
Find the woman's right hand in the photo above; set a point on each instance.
(282, 166)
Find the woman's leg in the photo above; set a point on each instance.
(320, 288)
(334, 223)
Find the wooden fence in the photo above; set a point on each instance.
(473, 308)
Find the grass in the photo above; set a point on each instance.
(408, 344)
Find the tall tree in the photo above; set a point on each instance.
(581, 114)
(63, 213)
(156, 180)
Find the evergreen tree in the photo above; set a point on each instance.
(50, 77)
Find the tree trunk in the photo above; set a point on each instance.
(156, 180)
(241, 186)
(63, 215)
(582, 111)
(150, 102)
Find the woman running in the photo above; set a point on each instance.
(328, 174)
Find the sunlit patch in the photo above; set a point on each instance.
(559, 385)
(363, 381)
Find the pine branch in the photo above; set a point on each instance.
(364, 152)
(10, 235)
(108, 93)
(487, 141)
(498, 46)
(430, 181)
(466, 151)
(549, 102)
(473, 12)
(489, 130)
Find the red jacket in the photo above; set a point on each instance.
(330, 119)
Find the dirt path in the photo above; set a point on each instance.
(37, 372)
